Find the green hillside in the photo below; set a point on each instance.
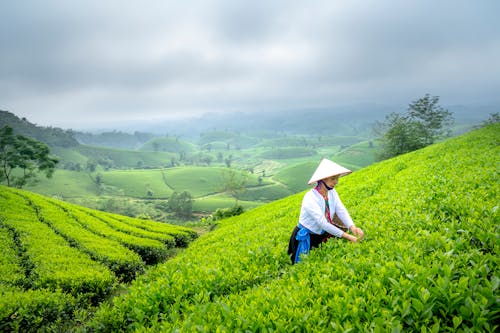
(111, 157)
(127, 158)
(297, 176)
(203, 183)
(429, 261)
(57, 257)
(358, 155)
(52, 136)
(162, 165)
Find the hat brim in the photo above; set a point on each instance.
(328, 169)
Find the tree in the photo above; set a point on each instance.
(434, 119)
(181, 204)
(91, 165)
(423, 124)
(493, 119)
(27, 155)
(220, 157)
(233, 182)
(228, 161)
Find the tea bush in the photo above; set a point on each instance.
(429, 261)
(58, 259)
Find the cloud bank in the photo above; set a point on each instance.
(79, 63)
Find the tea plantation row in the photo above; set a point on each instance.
(57, 257)
(429, 261)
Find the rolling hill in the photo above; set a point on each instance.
(429, 261)
(57, 257)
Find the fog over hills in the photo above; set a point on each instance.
(346, 120)
(357, 120)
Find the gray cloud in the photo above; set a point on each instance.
(80, 62)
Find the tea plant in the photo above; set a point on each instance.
(48, 260)
(429, 261)
(57, 258)
(124, 262)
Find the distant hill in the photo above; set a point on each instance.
(114, 139)
(71, 152)
(168, 144)
(352, 120)
(52, 136)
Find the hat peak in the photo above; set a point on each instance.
(327, 168)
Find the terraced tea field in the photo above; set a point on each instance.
(56, 255)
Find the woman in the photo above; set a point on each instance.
(321, 207)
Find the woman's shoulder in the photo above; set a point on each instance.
(333, 193)
(312, 194)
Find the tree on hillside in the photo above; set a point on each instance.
(27, 155)
(424, 123)
(97, 180)
(233, 182)
(493, 119)
(181, 204)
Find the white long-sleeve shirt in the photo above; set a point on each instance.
(312, 212)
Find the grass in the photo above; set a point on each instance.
(137, 183)
(120, 158)
(358, 155)
(200, 181)
(65, 184)
(211, 203)
(265, 193)
(297, 176)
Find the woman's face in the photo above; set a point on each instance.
(331, 181)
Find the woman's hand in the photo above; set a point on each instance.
(349, 237)
(358, 232)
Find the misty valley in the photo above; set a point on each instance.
(218, 161)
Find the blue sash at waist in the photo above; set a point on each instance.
(304, 245)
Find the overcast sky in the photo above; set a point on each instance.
(75, 64)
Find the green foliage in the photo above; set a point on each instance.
(48, 259)
(266, 193)
(26, 154)
(494, 118)
(11, 271)
(358, 155)
(58, 258)
(181, 204)
(423, 124)
(125, 159)
(210, 203)
(171, 145)
(223, 140)
(429, 261)
(289, 152)
(34, 310)
(205, 179)
(52, 136)
(181, 235)
(68, 223)
(296, 176)
(114, 139)
(223, 213)
(137, 183)
(233, 182)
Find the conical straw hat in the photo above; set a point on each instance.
(327, 169)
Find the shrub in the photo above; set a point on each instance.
(222, 213)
